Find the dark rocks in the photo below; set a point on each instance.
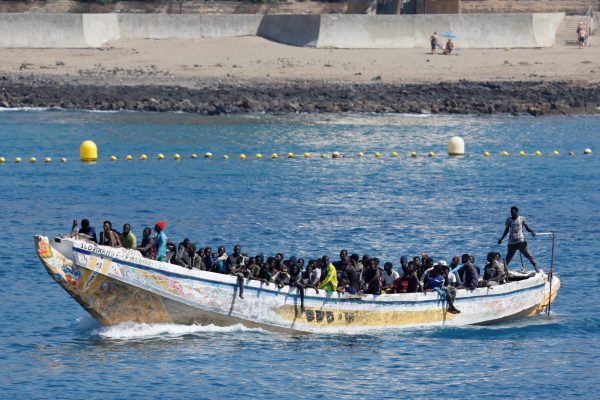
(217, 97)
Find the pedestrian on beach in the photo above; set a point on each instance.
(581, 34)
(434, 42)
(516, 238)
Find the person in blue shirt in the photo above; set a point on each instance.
(160, 239)
(86, 229)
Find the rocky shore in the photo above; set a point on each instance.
(212, 98)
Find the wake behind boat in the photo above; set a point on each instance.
(118, 285)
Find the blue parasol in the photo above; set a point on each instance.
(449, 35)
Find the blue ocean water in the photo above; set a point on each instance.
(386, 207)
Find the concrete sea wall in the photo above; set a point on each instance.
(322, 31)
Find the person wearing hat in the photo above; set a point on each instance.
(160, 240)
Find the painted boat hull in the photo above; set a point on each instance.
(119, 285)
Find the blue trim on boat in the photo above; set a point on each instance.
(279, 293)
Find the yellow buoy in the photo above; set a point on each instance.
(521, 153)
(32, 160)
(2, 160)
(194, 155)
(128, 157)
(88, 151)
(538, 153)
(413, 153)
(113, 158)
(47, 160)
(456, 146)
(143, 157)
(160, 156)
(486, 154)
(274, 156)
(176, 156)
(394, 154)
(258, 156)
(225, 157)
(587, 151)
(18, 160)
(208, 155)
(242, 156)
(504, 153)
(290, 155)
(431, 154)
(377, 154)
(306, 155)
(555, 153)
(63, 160)
(336, 154)
(360, 154)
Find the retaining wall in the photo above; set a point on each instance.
(332, 31)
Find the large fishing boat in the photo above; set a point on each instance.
(117, 285)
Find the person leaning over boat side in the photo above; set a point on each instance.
(471, 276)
(329, 274)
(108, 237)
(148, 247)
(516, 238)
(160, 240)
(128, 239)
(86, 229)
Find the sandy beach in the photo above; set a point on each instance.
(249, 74)
(184, 62)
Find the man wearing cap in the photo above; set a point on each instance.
(516, 238)
(160, 239)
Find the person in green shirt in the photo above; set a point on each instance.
(329, 282)
(128, 239)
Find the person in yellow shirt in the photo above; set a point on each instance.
(329, 282)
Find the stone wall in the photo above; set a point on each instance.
(569, 7)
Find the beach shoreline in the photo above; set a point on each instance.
(250, 74)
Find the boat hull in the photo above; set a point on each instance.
(118, 285)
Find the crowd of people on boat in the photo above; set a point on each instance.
(351, 274)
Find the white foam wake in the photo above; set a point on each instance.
(130, 330)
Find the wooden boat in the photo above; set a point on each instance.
(117, 285)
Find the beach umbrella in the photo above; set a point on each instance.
(449, 35)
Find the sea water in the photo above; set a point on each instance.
(386, 207)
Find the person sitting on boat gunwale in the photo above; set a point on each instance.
(108, 237)
(128, 239)
(160, 240)
(89, 230)
(471, 277)
(233, 260)
(329, 274)
(493, 271)
(516, 238)
(148, 247)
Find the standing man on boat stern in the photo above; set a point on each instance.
(516, 238)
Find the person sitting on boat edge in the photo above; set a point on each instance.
(233, 260)
(240, 270)
(516, 239)
(89, 230)
(148, 247)
(471, 277)
(160, 240)
(329, 274)
(128, 239)
(108, 237)
(388, 277)
(493, 271)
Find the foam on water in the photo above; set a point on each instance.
(129, 330)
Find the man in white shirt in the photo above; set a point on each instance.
(516, 239)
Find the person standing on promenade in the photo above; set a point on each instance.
(516, 238)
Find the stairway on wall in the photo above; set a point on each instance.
(567, 31)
